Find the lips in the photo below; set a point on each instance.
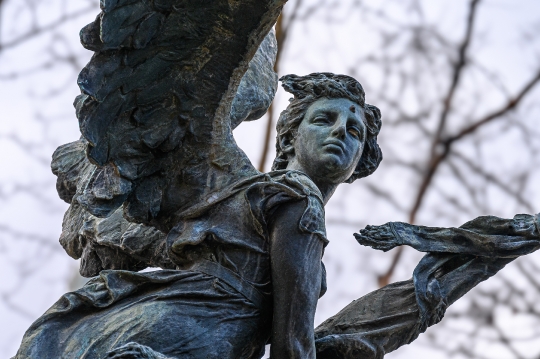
(335, 144)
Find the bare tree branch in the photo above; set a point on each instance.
(436, 156)
(495, 180)
(510, 105)
(441, 146)
(43, 241)
(270, 113)
(37, 31)
(282, 32)
(457, 73)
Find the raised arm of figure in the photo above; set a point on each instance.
(296, 278)
(485, 236)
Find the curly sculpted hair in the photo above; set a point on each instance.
(307, 90)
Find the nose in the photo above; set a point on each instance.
(340, 129)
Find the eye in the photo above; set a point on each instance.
(320, 119)
(354, 131)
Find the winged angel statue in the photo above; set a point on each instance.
(157, 180)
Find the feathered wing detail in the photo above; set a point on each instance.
(156, 101)
(259, 84)
(101, 243)
(113, 242)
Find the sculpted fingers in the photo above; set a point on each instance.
(383, 232)
(377, 237)
(375, 244)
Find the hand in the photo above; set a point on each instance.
(134, 351)
(378, 237)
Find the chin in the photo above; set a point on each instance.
(334, 169)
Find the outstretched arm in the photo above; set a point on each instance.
(296, 278)
(485, 236)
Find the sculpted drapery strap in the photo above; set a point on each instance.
(247, 290)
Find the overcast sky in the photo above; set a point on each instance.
(36, 116)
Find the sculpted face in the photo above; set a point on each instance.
(330, 141)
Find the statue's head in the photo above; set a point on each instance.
(328, 131)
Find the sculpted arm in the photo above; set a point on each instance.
(485, 236)
(296, 277)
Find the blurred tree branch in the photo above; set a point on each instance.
(282, 28)
(30, 129)
(39, 30)
(441, 146)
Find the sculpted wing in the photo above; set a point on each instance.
(155, 107)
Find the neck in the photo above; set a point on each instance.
(327, 189)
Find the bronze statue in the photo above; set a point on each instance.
(157, 181)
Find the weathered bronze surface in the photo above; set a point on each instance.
(156, 180)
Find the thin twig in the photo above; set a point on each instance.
(40, 30)
(282, 32)
(510, 105)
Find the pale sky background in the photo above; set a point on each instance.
(35, 271)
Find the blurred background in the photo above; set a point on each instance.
(458, 84)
